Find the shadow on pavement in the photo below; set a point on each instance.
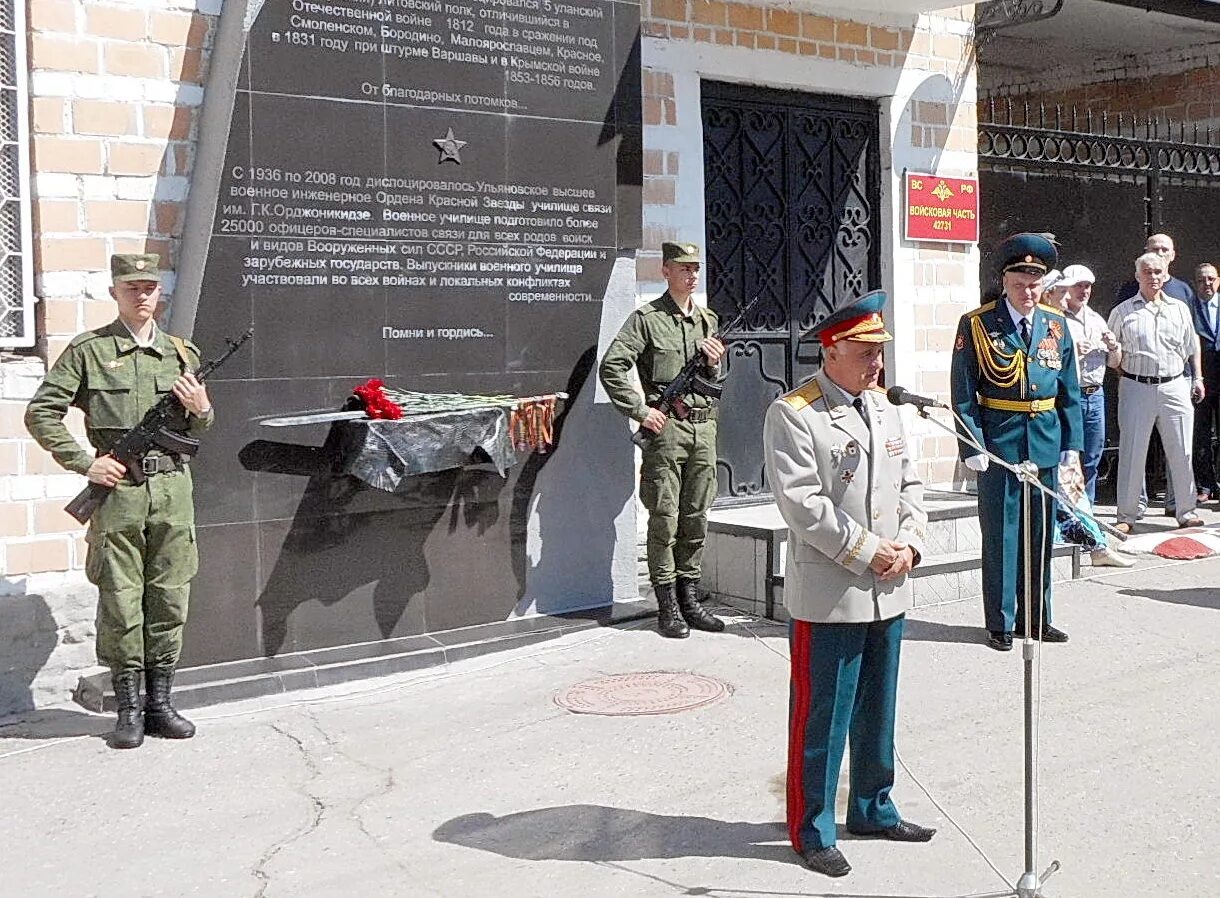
(931, 631)
(586, 832)
(1201, 596)
(605, 836)
(55, 723)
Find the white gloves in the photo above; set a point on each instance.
(979, 463)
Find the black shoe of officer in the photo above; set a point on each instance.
(129, 731)
(827, 861)
(160, 718)
(693, 612)
(999, 640)
(669, 616)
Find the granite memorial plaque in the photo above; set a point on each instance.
(443, 195)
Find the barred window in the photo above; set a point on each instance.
(16, 269)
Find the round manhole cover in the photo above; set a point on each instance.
(654, 692)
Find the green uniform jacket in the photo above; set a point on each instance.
(657, 340)
(105, 374)
(990, 362)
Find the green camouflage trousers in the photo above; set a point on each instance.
(142, 556)
(677, 486)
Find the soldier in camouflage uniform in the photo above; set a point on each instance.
(141, 541)
(678, 472)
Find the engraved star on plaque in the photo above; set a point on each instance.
(450, 147)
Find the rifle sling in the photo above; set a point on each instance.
(183, 356)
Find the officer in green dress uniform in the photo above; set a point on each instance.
(678, 470)
(1016, 390)
(141, 541)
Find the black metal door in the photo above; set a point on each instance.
(791, 183)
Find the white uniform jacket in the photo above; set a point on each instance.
(842, 486)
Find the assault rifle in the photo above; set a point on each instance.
(690, 380)
(153, 432)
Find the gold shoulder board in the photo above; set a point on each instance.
(804, 395)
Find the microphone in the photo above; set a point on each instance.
(902, 396)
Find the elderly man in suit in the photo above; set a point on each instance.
(839, 465)
(1206, 310)
(1016, 392)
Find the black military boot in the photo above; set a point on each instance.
(693, 611)
(669, 617)
(160, 718)
(129, 731)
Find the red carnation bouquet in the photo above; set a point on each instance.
(376, 403)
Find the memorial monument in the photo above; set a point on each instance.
(445, 196)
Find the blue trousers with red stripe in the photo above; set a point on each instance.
(844, 686)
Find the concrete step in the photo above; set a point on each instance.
(210, 684)
(744, 559)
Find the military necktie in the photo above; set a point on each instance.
(858, 402)
(1025, 332)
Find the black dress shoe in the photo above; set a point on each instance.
(827, 861)
(1049, 634)
(902, 831)
(999, 640)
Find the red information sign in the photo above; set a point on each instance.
(945, 209)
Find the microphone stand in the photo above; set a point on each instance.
(1030, 883)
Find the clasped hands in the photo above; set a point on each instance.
(893, 559)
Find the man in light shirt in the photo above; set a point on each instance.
(1206, 309)
(1174, 288)
(1158, 341)
(1096, 347)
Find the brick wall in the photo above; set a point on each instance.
(115, 89)
(1180, 87)
(936, 130)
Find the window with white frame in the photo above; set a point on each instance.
(16, 269)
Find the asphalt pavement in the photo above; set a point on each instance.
(470, 780)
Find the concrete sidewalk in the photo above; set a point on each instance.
(470, 781)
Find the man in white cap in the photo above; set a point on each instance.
(1096, 348)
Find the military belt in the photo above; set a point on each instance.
(159, 464)
(703, 415)
(1032, 406)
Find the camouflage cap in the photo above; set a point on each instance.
(680, 252)
(135, 267)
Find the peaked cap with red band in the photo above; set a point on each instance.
(861, 321)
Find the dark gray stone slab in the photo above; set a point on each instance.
(211, 684)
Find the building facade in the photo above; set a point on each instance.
(113, 93)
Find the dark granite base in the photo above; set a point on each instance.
(210, 684)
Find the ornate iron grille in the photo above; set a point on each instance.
(1019, 133)
(993, 15)
(791, 184)
(1101, 182)
(16, 279)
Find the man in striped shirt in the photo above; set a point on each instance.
(1158, 339)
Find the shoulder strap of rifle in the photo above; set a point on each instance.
(183, 355)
